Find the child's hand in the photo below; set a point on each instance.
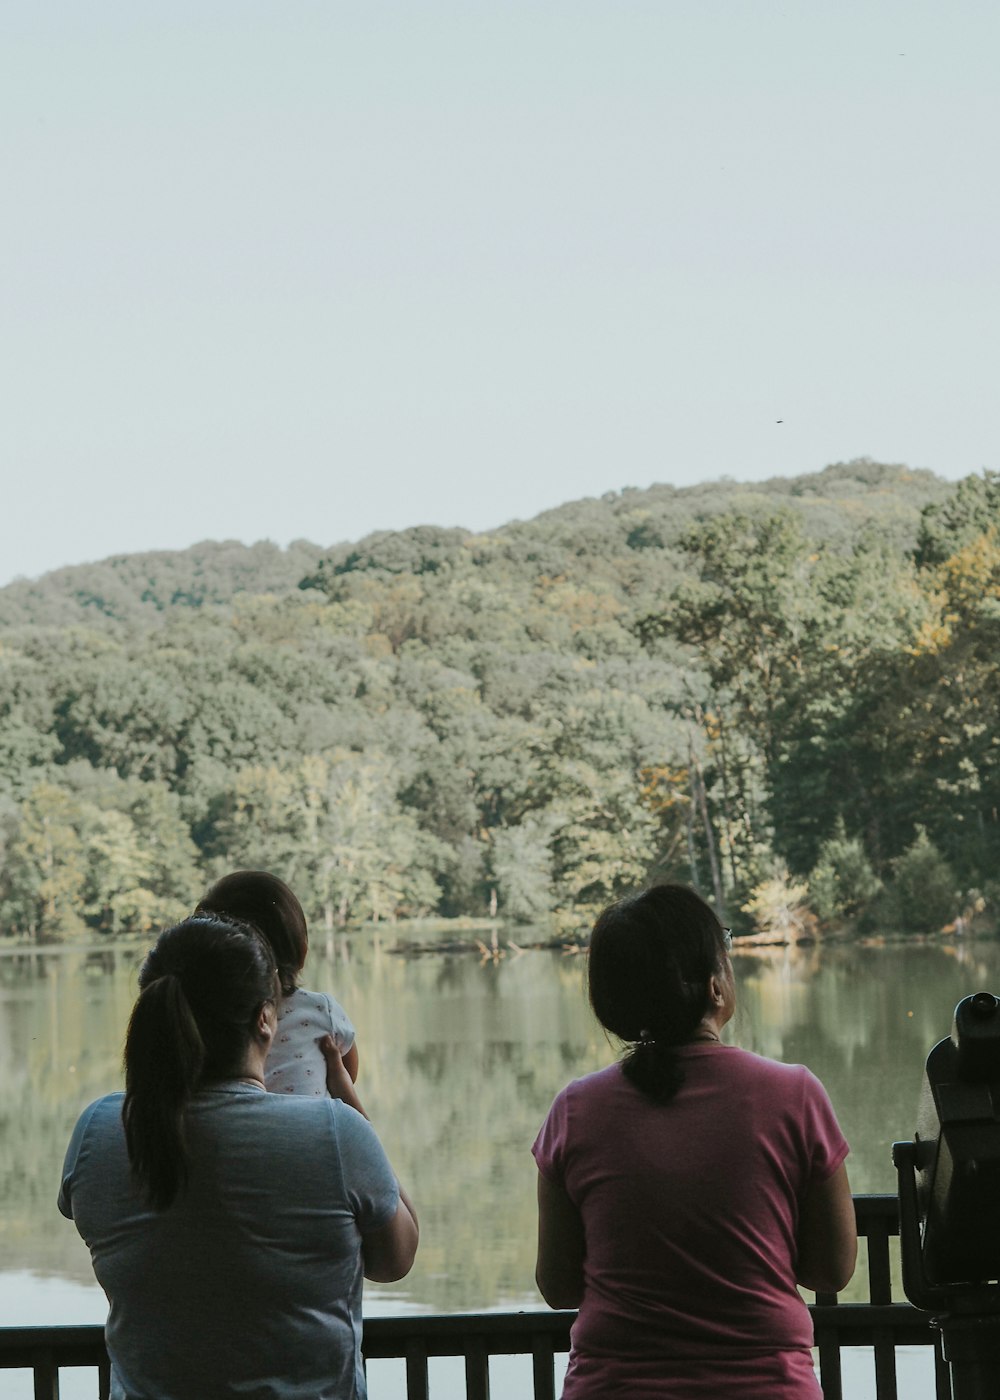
(338, 1081)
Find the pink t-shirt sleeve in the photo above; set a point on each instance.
(549, 1147)
(821, 1131)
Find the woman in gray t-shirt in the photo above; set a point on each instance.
(230, 1228)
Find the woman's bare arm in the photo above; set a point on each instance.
(339, 1079)
(351, 1062)
(388, 1251)
(559, 1267)
(828, 1235)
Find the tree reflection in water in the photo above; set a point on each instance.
(460, 1060)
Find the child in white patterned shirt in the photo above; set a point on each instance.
(295, 1064)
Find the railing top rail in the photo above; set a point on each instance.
(877, 1208)
(541, 1332)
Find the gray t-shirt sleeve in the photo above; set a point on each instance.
(369, 1181)
(65, 1198)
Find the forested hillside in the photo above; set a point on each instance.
(786, 693)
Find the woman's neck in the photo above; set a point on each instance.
(248, 1070)
(251, 1071)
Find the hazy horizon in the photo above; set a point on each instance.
(327, 544)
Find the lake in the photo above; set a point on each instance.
(460, 1059)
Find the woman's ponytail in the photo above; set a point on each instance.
(202, 989)
(655, 1068)
(164, 1057)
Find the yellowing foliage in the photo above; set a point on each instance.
(972, 574)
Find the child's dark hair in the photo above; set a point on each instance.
(651, 958)
(261, 899)
(202, 988)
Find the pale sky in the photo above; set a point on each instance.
(309, 269)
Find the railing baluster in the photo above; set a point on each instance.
(828, 1346)
(879, 1272)
(829, 1368)
(885, 1364)
(543, 1359)
(104, 1379)
(46, 1370)
(417, 1384)
(477, 1370)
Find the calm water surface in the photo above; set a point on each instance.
(459, 1062)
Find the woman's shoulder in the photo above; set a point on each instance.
(102, 1118)
(750, 1059)
(750, 1067)
(306, 1117)
(108, 1107)
(600, 1083)
(272, 1111)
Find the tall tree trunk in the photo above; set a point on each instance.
(692, 857)
(727, 796)
(713, 859)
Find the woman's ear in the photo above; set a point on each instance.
(265, 1023)
(716, 991)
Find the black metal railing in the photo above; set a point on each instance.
(880, 1323)
(883, 1322)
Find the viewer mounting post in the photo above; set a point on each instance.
(949, 1198)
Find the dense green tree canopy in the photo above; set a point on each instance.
(734, 685)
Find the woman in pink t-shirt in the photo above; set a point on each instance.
(685, 1192)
